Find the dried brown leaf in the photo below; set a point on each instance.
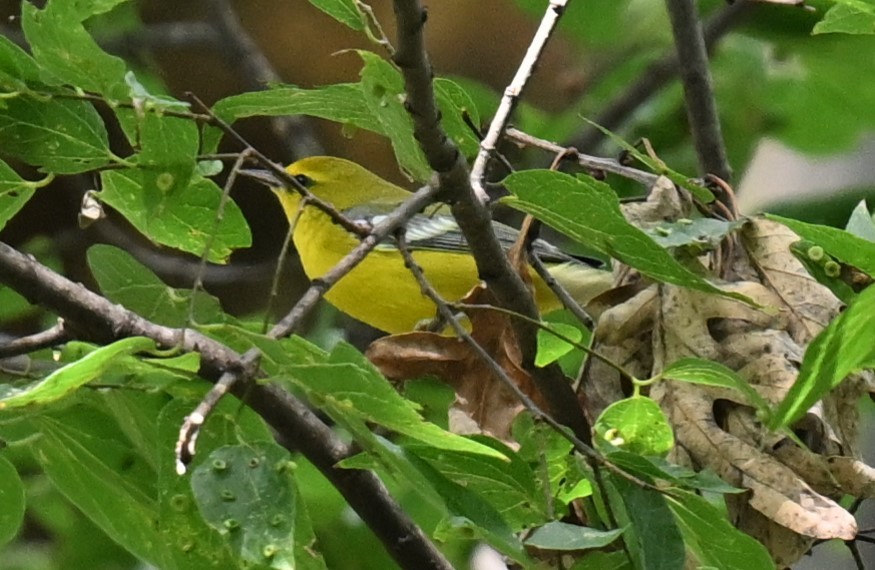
(811, 306)
(481, 395)
(791, 488)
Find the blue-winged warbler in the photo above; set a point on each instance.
(381, 291)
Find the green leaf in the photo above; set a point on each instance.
(589, 211)
(617, 560)
(14, 192)
(710, 373)
(62, 46)
(652, 538)
(343, 103)
(13, 306)
(860, 222)
(848, 17)
(656, 468)
(700, 233)
(579, 490)
(541, 445)
(17, 68)
(248, 494)
(637, 425)
(168, 151)
(551, 348)
(349, 386)
(192, 542)
(12, 501)
(184, 218)
(344, 11)
(715, 541)
(66, 137)
(843, 347)
(383, 88)
(455, 104)
(68, 378)
(845, 247)
(95, 470)
(126, 281)
(558, 535)
(509, 486)
(474, 517)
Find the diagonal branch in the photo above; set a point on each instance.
(295, 133)
(95, 318)
(289, 324)
(648, 179)
(512, 95)
(473, 218)
(655, 77)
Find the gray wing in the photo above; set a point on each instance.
(440, 232)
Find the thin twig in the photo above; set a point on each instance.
(512, 95)
(50, 337)
(450, 318)
(280, 263)
(656, 76)
(698, 88)
(283, 178)
(198, 284)
(564, 296)
(386, 226)
(584, 160)
(373, 28)
(191, 426)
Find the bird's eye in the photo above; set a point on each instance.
(304, 180)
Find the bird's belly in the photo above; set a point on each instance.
(381, 291)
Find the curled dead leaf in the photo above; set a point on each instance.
(480, 395)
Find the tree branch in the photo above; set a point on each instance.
(473, 218)
(97, 319)
(655, 77)
(698, 88)
(591, 162)
(31, 343)
(512, 95)
(290, 323)
(295, 132)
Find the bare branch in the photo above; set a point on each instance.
(591, 162)
(512, 95)
(698, 88)
(655, 77)
(26, 344)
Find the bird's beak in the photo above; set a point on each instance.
(266, 177)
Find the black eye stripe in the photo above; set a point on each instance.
(304, 180)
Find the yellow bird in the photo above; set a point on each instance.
(381, 291)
